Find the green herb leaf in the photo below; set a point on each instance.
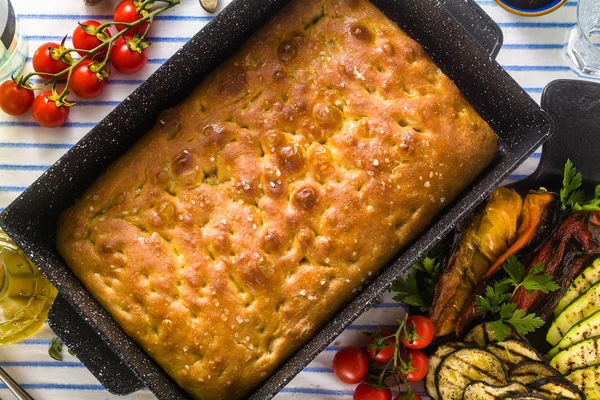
(515, 269)
(408, 292)
(543, 282)
(525, 324)
(416, 289)
(55, 350)
(500, 329)
(571, 194)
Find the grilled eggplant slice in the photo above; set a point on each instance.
(584, 329)
(482, 335)
(527, 396)
(464, 366)
(557, 389)
(512, 352)
(529, 372)
(588, 380)
(435, 360)
(582, 354)
(485, 391)
(586, 279)
(582, 307)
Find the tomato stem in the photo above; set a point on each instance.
(53, 78)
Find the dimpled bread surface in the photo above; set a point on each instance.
(252, 211)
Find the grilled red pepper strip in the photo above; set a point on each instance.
(572, 229)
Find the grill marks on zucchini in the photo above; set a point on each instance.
(580, 308)
(579, 355)
(529, 372)
(485, 391)
(584, 329)
(557, 389)
(512, 352)
(580, 285)
(588, 380)
(464, 366)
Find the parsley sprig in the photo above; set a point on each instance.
(497, 298)
(416, 289)
(572, 196)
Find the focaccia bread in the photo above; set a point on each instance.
(257, 207)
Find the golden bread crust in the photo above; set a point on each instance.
(253, 210)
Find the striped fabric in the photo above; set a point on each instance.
(532, 54)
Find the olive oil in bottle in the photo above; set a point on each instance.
(25, 294)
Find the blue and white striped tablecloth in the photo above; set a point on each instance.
(532, 54)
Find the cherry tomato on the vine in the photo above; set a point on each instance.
(126, 11)
(423, 327)
(44, 59)
(351, 364)
(419, 362)
(86, 83)
(125, 60)
(406, 396)
(47, 113)
(89, 41)
(364, 391)
(15, 100)
(385, 353)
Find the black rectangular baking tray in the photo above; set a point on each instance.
(460, 38)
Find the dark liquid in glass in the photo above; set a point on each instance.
(529, 4)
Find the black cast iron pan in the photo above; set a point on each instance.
(447, 32)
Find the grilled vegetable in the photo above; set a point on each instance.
(485, 391)
(580, 285)
(582, 354)
(557, 389)
(584, 329)
(434, 362)
(527, 396)
(513, 352)
(581, 308)
(464, 366)
(588, 380)
(551, 254)
(482, 335)
(487, 236)
(529, 372)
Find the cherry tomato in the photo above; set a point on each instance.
(88, 41)
(419, 362)
(85, 83)
(126, 11)
(406, 396)
(351, 364)
(424, 328)
(44, 61)
(385, 354)
(364, 391)
(126, 60)
(15, 100)
(46, 113)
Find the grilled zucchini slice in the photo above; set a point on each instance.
(588, 380)
(582, 354)
(435, 360)
(485, 391)
(585, 280)
(557, 388)
(512, 352)
(482, 335)
(529, 372)
(581, 331)
(580, 308)
(464, 366)
(527, 396)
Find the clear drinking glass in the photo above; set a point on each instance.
(583, 45)
(13, 47)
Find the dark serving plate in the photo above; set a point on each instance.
(460, 38)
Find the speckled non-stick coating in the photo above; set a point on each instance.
(31, 219)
